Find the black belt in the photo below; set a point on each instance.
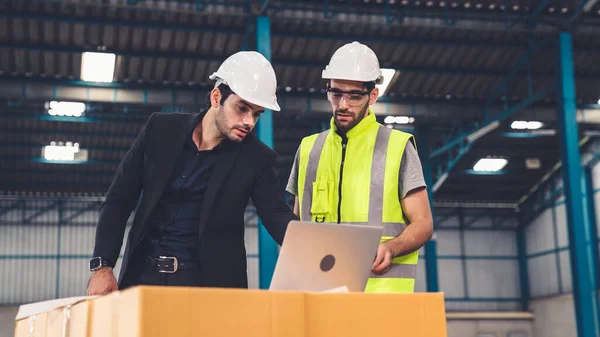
(169, 264)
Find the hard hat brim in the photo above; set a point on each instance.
(328, 76)
(271, 106)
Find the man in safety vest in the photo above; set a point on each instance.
(362, 172)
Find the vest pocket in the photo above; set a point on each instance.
(320, 199)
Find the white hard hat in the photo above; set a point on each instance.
(355, 62)
(249, 75)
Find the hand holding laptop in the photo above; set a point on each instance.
(383, 260)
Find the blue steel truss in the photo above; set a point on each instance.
(460, 145)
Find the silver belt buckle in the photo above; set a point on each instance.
(175, 264)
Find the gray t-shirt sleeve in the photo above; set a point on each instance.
(292, 185)
(411, 171)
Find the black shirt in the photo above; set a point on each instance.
(174, 223)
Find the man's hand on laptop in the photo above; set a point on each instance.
(383, 260)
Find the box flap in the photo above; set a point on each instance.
(27, 310)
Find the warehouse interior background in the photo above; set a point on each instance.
(513, 82)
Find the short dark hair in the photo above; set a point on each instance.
(225, 92)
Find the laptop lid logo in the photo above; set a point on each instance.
(327, 263)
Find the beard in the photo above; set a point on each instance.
(229, 131)
(355, 119)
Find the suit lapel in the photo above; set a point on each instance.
(169, 153)
(222, 167)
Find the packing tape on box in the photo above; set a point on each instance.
(66, 320)
(31, 325)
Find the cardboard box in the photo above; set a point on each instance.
(181, 311)
(32, 326)
(70, 321)
(172, 311)
(55, 318)
(381, 315)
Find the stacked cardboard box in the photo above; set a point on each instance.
(181, 312)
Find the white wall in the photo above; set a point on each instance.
(40, 260)
(554, 317)
(495, 328)
(548, 259)
(478, 268)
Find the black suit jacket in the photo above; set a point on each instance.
(244, 171)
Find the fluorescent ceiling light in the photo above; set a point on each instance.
(64, 152)
(526, 125)
(71, 109)
(388, 74)
(97, 67)
(490, 164)
(533, 163)
(398, 120)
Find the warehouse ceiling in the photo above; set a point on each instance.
(452, 59)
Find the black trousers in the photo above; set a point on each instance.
(182, 278)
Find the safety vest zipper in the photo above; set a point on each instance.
(339, 208)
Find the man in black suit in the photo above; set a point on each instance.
(196, 174)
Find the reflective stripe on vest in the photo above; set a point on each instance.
(311, 174)
(400, 277)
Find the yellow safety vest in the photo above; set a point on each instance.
(356, 181)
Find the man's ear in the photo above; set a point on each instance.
(373, 96)
(215, 98)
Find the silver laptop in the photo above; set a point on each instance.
(323, 256)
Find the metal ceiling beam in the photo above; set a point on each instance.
(525, 134)
(24, 88)
(373, 13)
(451, 18)
(56, 172)
(53, 186)
(276, 62)
(241, 31)
(520, 150)
(41, 131)
(13, 145)
(25, 158)
(176, 26)
(456, 18)
(401, 40)
(18, 88)
(104, 21)
(492, 205)
(84, 119)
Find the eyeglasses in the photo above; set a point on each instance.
(353, 97)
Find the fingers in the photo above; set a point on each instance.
(101, 284)
(384, 266)
(378, 259)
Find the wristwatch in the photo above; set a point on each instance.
(97, 263)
